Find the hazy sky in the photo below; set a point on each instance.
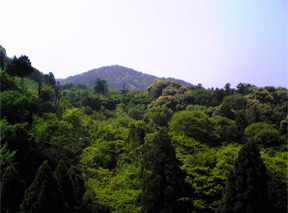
(200, 41)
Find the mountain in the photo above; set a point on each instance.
(115, 76)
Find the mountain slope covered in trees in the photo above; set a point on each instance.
(115, 76)
(171, 148)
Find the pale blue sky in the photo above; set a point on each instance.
(200, 41)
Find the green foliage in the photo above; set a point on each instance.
(7, 82)
(91, 101)
(283, 127)
(120, 191)
(136, 140)
(143, 98)
(207, 110)
(25, 154)
(165, 88)
(60, 138)
(37, 76)
(158, 116)
(44, 195)
(266, 105)
(136, 112)
(65, 184)
(219, 94)
(49, 79)
(244, 88)
(115, 76)
(3, 58)
(172, 94)
(111, 100)
(204, 97)
(20, 66)
(78, 186)
(12, 190)
(16, 107)
(168, 101)
(277, 179)
(47, 93)
(120, 158)
(74, 97)
(72, 116)
(246, 189)
(231, 105)
(264, 134)
(185, 145)
(163, 181)
(194, 124)
(225, 128)
(207, 171)
(100, 154)
(6, 157)
(101, 86)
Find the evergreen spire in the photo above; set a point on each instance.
(43, 195)
(12, 190)
(65, 184)
(246, 189)
(163, 180)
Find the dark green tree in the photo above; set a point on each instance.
(231, 105)
(156, 88)
(7, 82)
(163, 180)
(43, 195)
(194, 124)
(20, 67)
(12, 190)
(79, 188)
(16, 106)
(227, 88)
(101, 86)
(219, 94)
(57, 90)
(246, 189)
(158, 116)
(264, 134)
(136, 112)
(50, 79)
(142, 98)
(65, 184)
(37, 76)
(136, 139)
(6, 157)
(243, 88)
(3, 58)
(226, 128)
(204, 97)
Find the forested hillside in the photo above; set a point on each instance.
(171, 148)
(116, 76)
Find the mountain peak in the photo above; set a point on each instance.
(115, 75)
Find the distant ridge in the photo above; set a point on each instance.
(115, 75)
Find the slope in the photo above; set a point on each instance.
(115, 76)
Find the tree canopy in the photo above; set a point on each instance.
(20, 66)
(171, 148)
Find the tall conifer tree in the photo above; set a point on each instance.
(65, 184)
(163, 180)
(43, 195)
(246, 189)
(101, 86)
(12, 190)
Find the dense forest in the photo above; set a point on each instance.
(170, 148)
